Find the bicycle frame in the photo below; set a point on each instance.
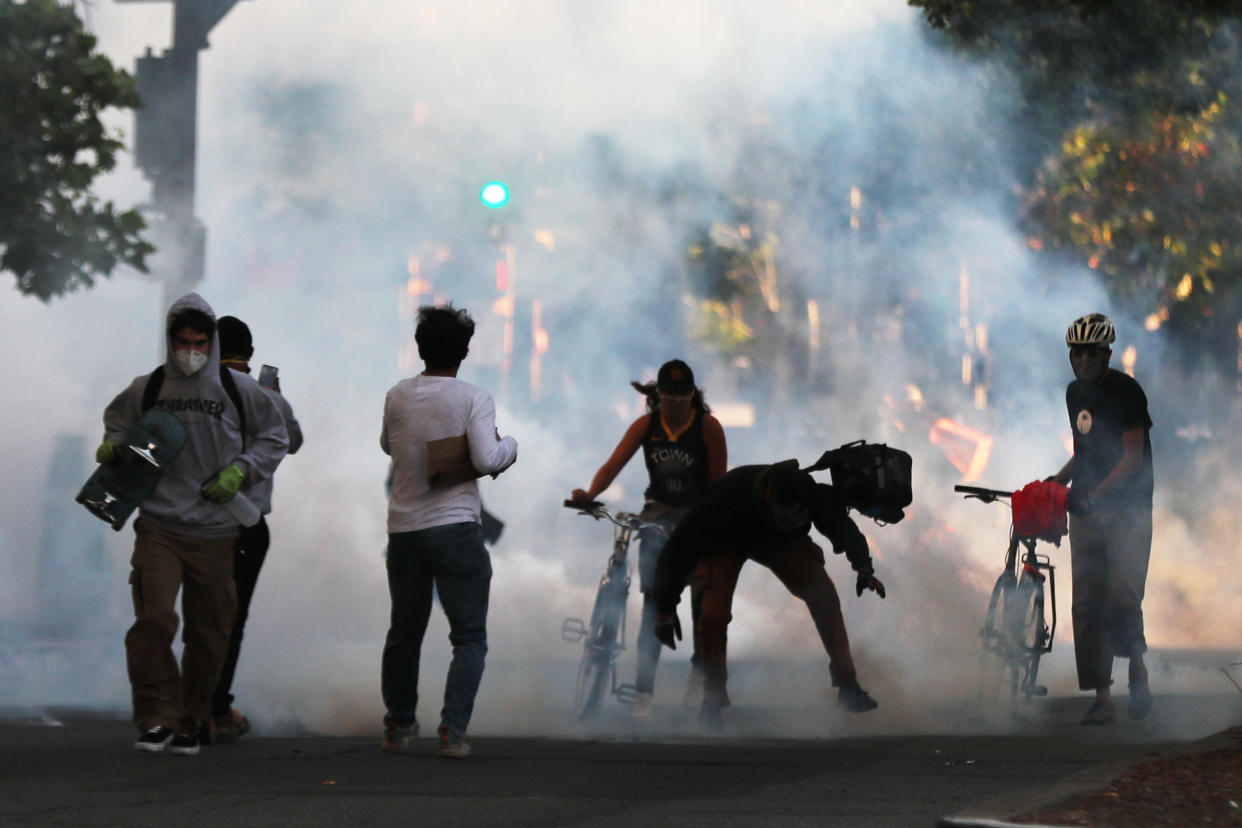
(1019, 640)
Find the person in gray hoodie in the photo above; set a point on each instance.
(184, 535)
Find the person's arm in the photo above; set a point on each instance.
(123, 412)
(291, 422)
(676, 562)
(268, 440)
(630, 441)
(489, 452)
(384, 446)
(717, 450)
(1066, 474)
(832, 520)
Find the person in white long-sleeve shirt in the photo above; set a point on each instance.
(434, 535)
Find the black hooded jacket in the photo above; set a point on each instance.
(733, 516)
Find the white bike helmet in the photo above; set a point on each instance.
(1094, 329)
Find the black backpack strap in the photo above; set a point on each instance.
(230, 388)
(151, 391)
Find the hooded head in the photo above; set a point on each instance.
(193, 345)
(788, 494)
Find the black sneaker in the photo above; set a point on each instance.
(855, 699)
(185, 744)
(154, 740)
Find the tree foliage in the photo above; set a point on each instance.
(55, 234)
(1132, 158)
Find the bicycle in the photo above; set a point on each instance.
(1016, 631)
(605, 637)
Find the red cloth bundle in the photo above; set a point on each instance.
(1040, 510)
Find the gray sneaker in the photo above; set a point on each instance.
(397, 739)
(452, 745)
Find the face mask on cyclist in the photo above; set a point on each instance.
(1088, 362)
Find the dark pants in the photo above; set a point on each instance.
(453, 560)
(201, 569)
(1109, 552)
(800, 566)
(249, 552)
(650, 544)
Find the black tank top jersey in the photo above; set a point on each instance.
(678, 469)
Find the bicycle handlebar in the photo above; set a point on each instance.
(598, 510)
(986, 495)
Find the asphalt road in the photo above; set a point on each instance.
(64, 767)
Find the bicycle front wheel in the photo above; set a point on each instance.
(595, 671)
(1029, 633)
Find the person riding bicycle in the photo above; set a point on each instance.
(1110, 527)
(764, 514)
(684, 449)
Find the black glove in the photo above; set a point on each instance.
(867, 580)
(668, 630)
(1080, 501)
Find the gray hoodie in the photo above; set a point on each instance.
(213, 436)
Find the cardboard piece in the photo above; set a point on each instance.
(448, 462)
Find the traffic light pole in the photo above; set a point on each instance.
(165, 138)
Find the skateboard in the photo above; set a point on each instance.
(115, 489)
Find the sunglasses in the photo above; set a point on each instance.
(1080, 351)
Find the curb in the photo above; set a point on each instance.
(997, 812)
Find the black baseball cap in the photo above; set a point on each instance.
(234, 337)
(675, 377)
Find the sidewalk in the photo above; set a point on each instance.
(1198, 784)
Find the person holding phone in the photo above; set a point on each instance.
(227, 724)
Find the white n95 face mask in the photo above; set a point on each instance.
(190, 361)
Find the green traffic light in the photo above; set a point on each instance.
(494, 195)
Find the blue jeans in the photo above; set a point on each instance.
(453, 559)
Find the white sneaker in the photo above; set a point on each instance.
(642, 707)
(694, 689)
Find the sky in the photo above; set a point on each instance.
(341, 143)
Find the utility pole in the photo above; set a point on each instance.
(165, 137)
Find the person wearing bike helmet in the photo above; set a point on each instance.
(1111, 481)
(684, 449)
(764, 514)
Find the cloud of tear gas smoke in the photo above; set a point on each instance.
(341, 155)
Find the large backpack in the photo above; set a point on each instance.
(151, 393)
(873, 478)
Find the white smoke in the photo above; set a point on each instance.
(334, 144)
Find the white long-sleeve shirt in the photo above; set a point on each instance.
(422, 409)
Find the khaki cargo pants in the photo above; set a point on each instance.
(165, 563)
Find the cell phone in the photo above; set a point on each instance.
(267, 376)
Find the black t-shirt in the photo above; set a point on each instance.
(677, 468)
(1099, 413)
